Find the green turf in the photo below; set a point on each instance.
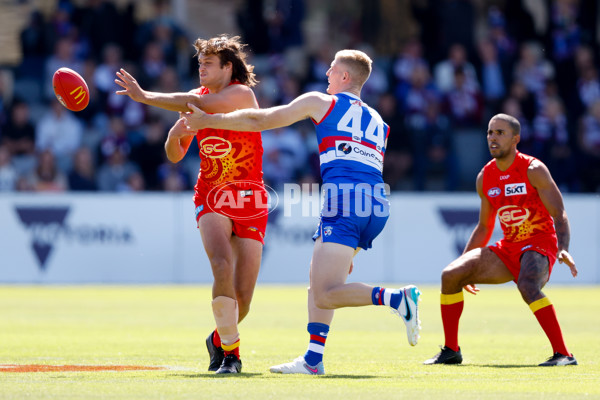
(367, 354)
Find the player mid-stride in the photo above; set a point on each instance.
(352, 139)
(520, 190)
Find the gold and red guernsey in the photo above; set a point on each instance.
(520, 210)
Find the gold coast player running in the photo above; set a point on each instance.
(352, 138)
(521, 191)
(230, 197)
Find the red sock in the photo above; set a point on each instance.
(452, 307)
(546, 315)
(216, 338)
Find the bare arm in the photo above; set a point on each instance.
(310, 105)
(229, 99)
(541, 179)
(178, 141)
(487, 218)
(485, 227)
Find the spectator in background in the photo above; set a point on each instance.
(533, 69)
(149, 155)
(152, 64)
(103, 78)
(82, 176)
(115, 172)
(589, 148)
(18, 135)
(33, 41)
(588, 86)
(47, 177)
(409, 58)
(463, 103)
(502, 41)
(526, 99)
(284, 155)
(8, 173)
(432, 150)
(444, 71)
(398, 150)
(60, 132)
(168, 82)
(493, 78)
(551, 143)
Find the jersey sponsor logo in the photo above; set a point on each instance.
(495, 191)
(360, 153)
(327, 230)
(504, 177)
(214, 147)
(512, 215)
(515, 189)
(345, 148)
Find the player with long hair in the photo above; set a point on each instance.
(231, 169)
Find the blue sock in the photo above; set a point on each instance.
(318, 334)
(386, 297)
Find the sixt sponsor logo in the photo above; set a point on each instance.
(515, 189)
(47, 226)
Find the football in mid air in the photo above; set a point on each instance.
(70, 89)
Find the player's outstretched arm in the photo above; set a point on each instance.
(168, 101)
(310, 105)
(541, 179)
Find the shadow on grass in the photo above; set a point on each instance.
(504, 366)
(217, 376)
(344, 376)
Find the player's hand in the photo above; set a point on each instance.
(196, 118)
(131, 87)
(471, 288)
(179, 130)
(565, 257)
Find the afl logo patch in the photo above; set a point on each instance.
(495, 191)
(214, 147)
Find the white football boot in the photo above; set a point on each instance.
(408, 310)
(298, 366)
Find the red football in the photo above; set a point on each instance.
(70, 89)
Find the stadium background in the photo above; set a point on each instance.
(105, 168)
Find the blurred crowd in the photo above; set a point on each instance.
(436, 86)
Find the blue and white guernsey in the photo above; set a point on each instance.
(351, 139)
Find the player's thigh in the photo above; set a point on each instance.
(330, 265)
(247, 255)
(479, 265)
(215, 230)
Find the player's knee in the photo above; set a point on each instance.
(451, 275)
(323, 299)
(221, 267)
(530, 290)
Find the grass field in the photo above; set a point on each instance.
(367, 354)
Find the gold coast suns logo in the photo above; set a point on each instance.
(214, 147)
(513, 215)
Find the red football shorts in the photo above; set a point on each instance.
(510, 253)
(246, 207)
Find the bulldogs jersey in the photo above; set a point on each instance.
(521, 212)
(351, 140)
